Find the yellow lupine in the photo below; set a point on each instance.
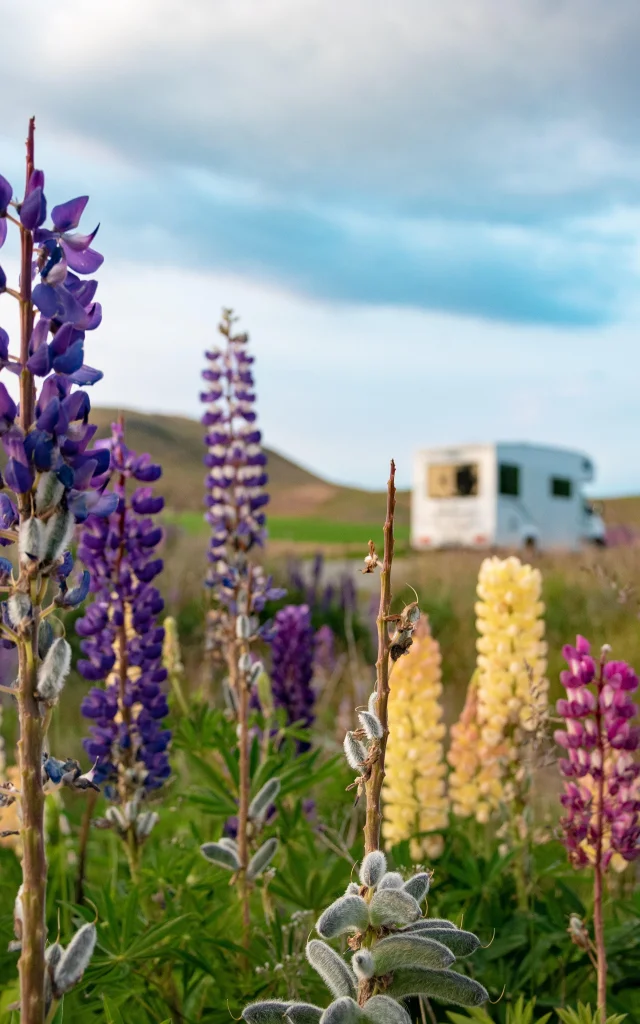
(414, 790)
(508, 693)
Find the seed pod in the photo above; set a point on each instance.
(58, 534)
(449, 986)
(460, 943)
(363, 965)
(262, 800)
(45, 638)
(261, 859)
(355, 752)
(342, 1011)
(428, 923)
(336, 974)
(371, 725)
(53, 955)
(262, 683)
(146, 823)
(74, 960)
(418, 886)
(271, 1011)
(31, 541)
(20, 611)
(257, 669)
(220, 855)
(117, 818)
(303, 1013)
(346, 914)
(383, 1010)
(49, 491)
(244, 663)
(372, 703)
(397, 951)
(54, 670)
(243, 629)
(393, 906)
(353, 889)
(230, 696)
(373, 868)
(392, 880)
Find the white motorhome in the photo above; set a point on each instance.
(502, 495)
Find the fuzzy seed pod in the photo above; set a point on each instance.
(31, 541)
(371, 725)
(53, 956)
(303, 1013)
(244, 664)
(257, 669)
(336, 974)
(392, 880)
(459, 942)
(20, 611)
(342, 1011)
(426, 923)
(220, 855)
(58, 533)
(363, 965)
(228, 843)
(270, 1011)
(243, 628)
(146, 823)
(372, 704)
(54, 670)
(406, 950)
(117, 818)
(45, 638)
(383, 1010)
(355, 752)
(393, 906)
(418, 886)
(373, 868)
(346, 914)
(261, 859)
(449, 986)
(353, 889)
(49, 491)
(263, 800)
(74, 960)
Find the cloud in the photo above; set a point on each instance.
(444, 156)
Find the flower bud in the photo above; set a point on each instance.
(373, 868)
(54, 670)
(363, 965)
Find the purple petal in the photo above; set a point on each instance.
(3, 280)
(68, 310)
(94, 317)
(67, 215)
(80, 243)
(40, 362)
(18, 476)
(3, 230)
(45, 299)
(4, 345)
(6, 192)
(7, 405)
(33, 211)
(63, 337)
(86, 376)
(36, 180)
(71, 360)
(86, 261)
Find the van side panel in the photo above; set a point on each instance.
(454, 497)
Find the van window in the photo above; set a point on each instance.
(509, 479)
(452, 480)
(561, 487)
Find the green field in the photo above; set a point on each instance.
(307, 530)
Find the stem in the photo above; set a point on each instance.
(244, 790)
(598, 871)
(374, 785)
(34, 864)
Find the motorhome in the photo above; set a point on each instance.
(503, 496)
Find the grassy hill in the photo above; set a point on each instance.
(331, 513)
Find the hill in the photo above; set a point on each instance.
(176, 442)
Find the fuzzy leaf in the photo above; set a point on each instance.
(261, 859)
(220, 855)
(336, 974)
(383, 1010)
(393, 906)
(427, 923)
(271, 1011)
(460, 943)
(262, 800)
(418, 886)
(373, 868)
(303, 1013)
(400, 951)
(346, 914)
(446, 985)
(353, 889)
(392, 880)
(342, 1011)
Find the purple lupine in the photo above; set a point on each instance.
(324, 650)
(292, 652)
(57, 480)
(602, 789)
(122, 641)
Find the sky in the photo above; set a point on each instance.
(427, 215)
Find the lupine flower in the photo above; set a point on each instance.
(509, 689)
(122, 639)
(414, 790)
(324, 653)
(292, 652)
(601, 745)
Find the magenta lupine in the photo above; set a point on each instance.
(57, 480)
(601, 793)
(122, 644)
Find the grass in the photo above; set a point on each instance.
(299, 530)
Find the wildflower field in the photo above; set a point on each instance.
(235, 784)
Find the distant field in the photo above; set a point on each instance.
(307, 530)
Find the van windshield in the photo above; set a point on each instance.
(453, 480)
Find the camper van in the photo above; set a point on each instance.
(503, 496)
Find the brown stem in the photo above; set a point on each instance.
(598, 870)
(374, 785)
(244, 785)
(83, 843)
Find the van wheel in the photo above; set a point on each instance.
(530, 545)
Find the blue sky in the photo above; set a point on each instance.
(427, 214)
